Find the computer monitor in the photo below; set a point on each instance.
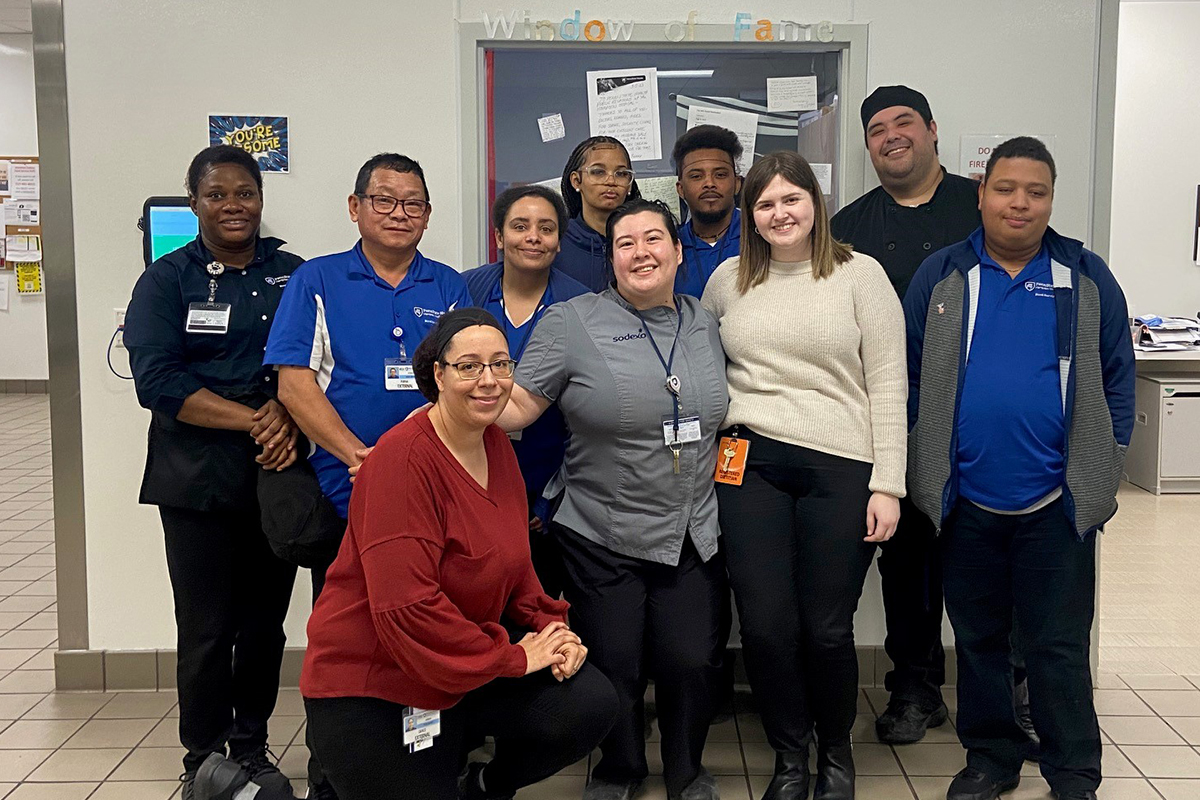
(167, 224)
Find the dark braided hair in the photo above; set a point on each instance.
(570, 194)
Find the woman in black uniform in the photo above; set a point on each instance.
(195, 329)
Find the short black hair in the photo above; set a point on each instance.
(706, 137)
(435, 344)
(393, 161)
(1022, 147)
(570, 194)
(506, 199)
(215, 156)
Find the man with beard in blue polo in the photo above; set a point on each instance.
(706, 160)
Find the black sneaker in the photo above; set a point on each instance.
(973, 784)
(188, 779)
(264, 772)
(470, 787)
(1082, 794)
(905, 722)
(321, 791)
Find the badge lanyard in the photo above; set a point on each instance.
(209, 317)
(673, 384)
(215, 269)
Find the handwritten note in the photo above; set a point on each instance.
(623, 103)
(792, 94)
(661, 188)
(552, 127)
(824, 173)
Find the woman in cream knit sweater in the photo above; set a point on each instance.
(814, 338)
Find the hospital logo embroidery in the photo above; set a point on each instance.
(278, 280)
(428, 314)
(1039, 288)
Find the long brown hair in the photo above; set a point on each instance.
(754, 263)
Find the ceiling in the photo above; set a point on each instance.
(15, 16)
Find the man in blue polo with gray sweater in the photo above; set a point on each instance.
(1021, 384)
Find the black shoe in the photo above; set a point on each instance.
(972, 784)
(790, 781)
(603, 790)
(322, 790)
(905, 722)
(188, 779)
(702, 787)
(263, 771)
(835, 772)
(471, 788)
(219, 778)
(1081, 794)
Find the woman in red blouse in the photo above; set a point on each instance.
(407, 657)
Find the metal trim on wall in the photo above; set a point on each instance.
(62, 327)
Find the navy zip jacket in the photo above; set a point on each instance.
(582, 256)
(1096, 366)
(541, 446)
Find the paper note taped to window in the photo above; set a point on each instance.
(792, 94)
(623, 103)
(552, 128)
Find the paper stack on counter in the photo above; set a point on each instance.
(1166, 333)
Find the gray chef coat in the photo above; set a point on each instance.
(591, 356)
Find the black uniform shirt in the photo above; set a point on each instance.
(901, 237)
(188, 466)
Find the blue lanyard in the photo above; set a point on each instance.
(533, 321)
(672, 384)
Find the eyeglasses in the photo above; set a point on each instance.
(598, 174)
(385, 204)
(473, 370)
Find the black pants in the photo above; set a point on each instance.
(316, 775)
(231, 596)
(793, 534)
(643, 620)
(910, 566)
(540, 726)
(1031, 568)
(547, 561)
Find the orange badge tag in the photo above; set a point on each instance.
(731, 460)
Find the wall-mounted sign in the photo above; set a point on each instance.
(264, 137)
(520, 24)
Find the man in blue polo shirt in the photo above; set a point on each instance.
(1021, 383)
(705, 160)
(348, 324)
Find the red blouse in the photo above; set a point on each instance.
(411, 607)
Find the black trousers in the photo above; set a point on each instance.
(231, 596)
(316, 775)
(547, 561)
(643, 620)
(540, 727)
(1031, 568)
(793, 534)
(910, 566)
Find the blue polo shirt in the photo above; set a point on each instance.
(541, 446)
(700, 259)
(1011, 432)
(341, 320)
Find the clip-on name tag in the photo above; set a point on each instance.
(209, 317)
(420, 727)
(731, 460)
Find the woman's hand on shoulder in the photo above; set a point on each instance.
(883, 515)
(543, 649)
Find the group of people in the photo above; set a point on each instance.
(544, 475)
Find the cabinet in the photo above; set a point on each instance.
(1164, 454)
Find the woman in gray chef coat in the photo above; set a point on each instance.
(639, 374)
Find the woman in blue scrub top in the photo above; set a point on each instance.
(597, 179)
(528, 221)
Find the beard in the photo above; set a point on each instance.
(710, 217)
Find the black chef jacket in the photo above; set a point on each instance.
(901, 237)
(187, 466)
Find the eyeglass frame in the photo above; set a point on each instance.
(459, 366)
(587, 172)
(398, 203)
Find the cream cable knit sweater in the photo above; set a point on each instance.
(818, 363)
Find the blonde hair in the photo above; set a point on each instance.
(755, 259)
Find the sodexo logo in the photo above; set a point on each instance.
(630, 336)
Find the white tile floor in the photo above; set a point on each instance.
(124, 746)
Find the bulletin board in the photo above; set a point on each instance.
(524, 86)
(20, 216)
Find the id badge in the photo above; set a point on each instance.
(420, 726)
(398, 375)
(689, 430)
(731, 460)
(208, 318)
